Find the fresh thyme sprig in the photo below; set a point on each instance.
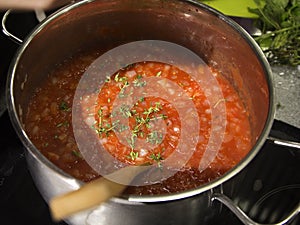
(139, 82)
(133, 155)
(157, 158)
(155, 137)
(142, 120)
(145, 121)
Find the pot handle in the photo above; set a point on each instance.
(6, 32)
(40, 15)
(244, 218)
(284, 143)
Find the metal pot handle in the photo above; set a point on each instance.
(239, 213)
(244, 218)
(40, 15)
(283, 142)
(6, 32)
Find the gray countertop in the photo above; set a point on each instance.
(287, 94)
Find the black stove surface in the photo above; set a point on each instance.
(267, 189)
(20, 202)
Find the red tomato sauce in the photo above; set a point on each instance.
(48, 122)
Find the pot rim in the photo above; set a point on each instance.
(12, 108)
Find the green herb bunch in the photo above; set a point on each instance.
(279, 22)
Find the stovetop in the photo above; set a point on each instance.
(267, 189)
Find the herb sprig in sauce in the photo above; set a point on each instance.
(141, 119)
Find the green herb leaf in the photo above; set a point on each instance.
(76, 153)
(64, 106)
(279, 21)
(125, 111)
(139, 82)
(159, 73)
(155, 138)
(133, 155)
(157, 158)
(63, 124)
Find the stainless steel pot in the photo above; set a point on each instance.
(218, 40)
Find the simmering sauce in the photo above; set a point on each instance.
(49, 122)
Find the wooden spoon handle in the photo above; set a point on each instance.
(88, 196)
(92, 193)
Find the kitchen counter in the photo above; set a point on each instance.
(287, 94)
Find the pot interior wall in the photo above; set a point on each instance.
(109, 23)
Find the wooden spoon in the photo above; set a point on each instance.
(92, 194)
